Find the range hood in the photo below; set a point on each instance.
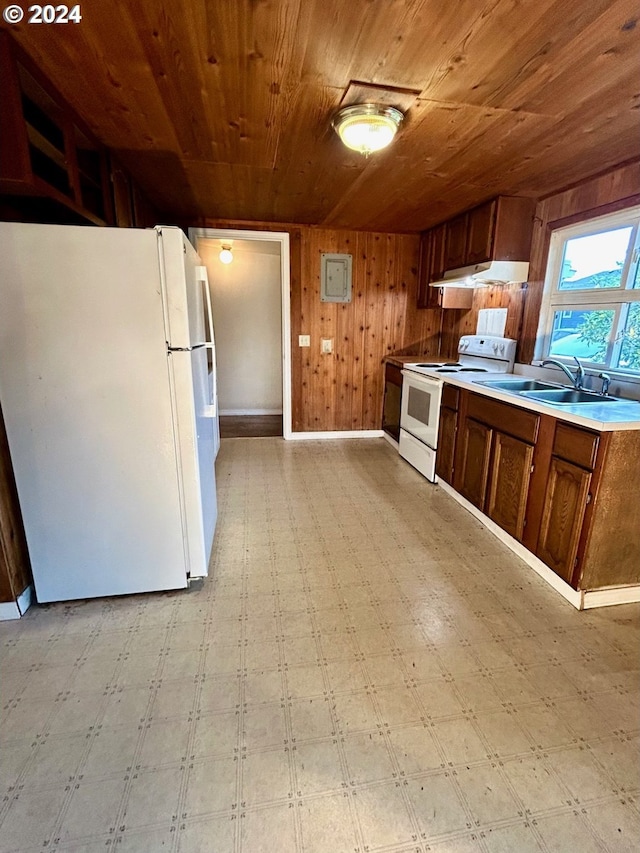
(491, 272)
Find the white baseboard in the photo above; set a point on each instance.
(16, 609)
(9, 610)
(25, 599)
(581, 599)
(354, 433)
(242, 412)
(613, 595)
(391, 440)
(568, 592)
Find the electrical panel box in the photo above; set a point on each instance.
(335, 277)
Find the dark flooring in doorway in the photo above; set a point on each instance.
(250, 426)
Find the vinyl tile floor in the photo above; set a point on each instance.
(366, 669)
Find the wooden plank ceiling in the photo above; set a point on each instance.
(222, 108)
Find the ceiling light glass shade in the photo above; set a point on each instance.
(226, 255)
(367, 127)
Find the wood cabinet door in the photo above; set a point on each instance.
(480, 233)
(427, 296)
(122, 201)
(438, 242)
(509, 483)
(391, 410)
(456, 243)
(563, 514)
(446, 444)
(392, 403)
(476, 439)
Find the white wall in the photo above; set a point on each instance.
(247, 318)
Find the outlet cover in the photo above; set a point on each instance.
(326, 345)
(304, 340)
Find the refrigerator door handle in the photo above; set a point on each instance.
(204, 278)
(210, 411)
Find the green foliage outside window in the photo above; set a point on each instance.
(596, 328)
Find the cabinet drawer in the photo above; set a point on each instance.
(451, 397)
(519, 423)
(576, 445)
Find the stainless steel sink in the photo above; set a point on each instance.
(517, 385)
(566, 396)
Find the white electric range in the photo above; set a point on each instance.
(422, 392)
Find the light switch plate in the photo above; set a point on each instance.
(326, 345)
(304, 340)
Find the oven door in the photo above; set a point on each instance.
(420, 411)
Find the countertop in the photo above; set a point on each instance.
(604, 417)
(401, 360)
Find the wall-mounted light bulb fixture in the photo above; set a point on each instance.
(226, 255)
(367, 127)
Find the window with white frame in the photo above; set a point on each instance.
(591, 304)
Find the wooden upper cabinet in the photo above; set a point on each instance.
(432, 245)
(122, 197)
(145, 214)
(438, 238)
(498, 230)
(48, 153)
(424, 271)
(481, 232)
(456, 242)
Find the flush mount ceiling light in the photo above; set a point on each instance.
(367, 127)
(226, 255)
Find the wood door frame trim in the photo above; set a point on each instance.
(281, 237)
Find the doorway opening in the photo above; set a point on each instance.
(251, 305)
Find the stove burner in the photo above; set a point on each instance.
(459, 368)
(440, 364)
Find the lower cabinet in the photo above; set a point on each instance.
(494, 459)
(447, 430)
(567, 493)
(392, 403)
(508, 490)
(563, 517)
(474, 468)
(496, 469)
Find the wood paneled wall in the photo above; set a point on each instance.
(613, 190)
(457, 322)
(343, 390)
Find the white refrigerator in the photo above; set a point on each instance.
(108, 390)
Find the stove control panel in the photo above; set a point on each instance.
(488, 346)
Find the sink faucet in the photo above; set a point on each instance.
(577, 380)
(606, 381)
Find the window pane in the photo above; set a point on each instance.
(630, 350)
(585, 334)
(594, 261)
